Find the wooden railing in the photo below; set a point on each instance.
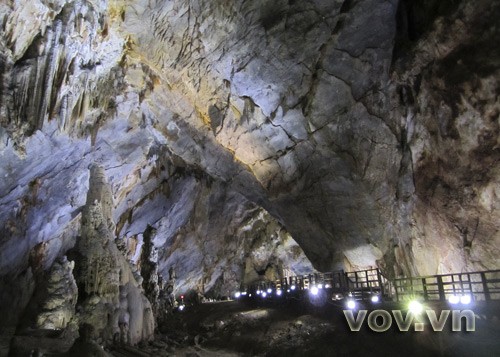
(361, 285)
(482, 285)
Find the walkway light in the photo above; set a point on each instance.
(375, 298)
(278, 292)
(351, 304)
(415, 307)
(269, 291)
(264, 294)
(465, 299)
(314, 290)
(292, 287)
(237, 294)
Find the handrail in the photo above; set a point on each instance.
(444, 286)
(482, 285)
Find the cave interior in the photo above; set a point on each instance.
(158, 159)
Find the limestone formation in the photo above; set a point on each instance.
(59, 307)
(112, 301)
(149, 269)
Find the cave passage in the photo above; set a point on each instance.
(212, 177)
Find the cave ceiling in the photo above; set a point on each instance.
(366, 130)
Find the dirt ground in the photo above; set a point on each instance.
(299, 328)
(294, 327)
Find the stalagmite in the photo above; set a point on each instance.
(111, 300)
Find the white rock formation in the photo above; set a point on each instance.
(111, 300)
(59, 308)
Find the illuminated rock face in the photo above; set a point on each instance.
(366, 130)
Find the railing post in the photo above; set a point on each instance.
(424, 287)
(379, 278)
(344, 282)
(486, 290)
(469, 283)
(442, 296)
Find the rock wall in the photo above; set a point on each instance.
(445, 82)
(343, 112)
(207, 233)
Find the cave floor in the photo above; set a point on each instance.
(299, 328)
(243, 328)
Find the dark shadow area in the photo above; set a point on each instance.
(297, 327)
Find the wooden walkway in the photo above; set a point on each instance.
(364, 284)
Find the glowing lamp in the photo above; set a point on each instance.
(415, 307)
(454, 299)
(465, 299)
